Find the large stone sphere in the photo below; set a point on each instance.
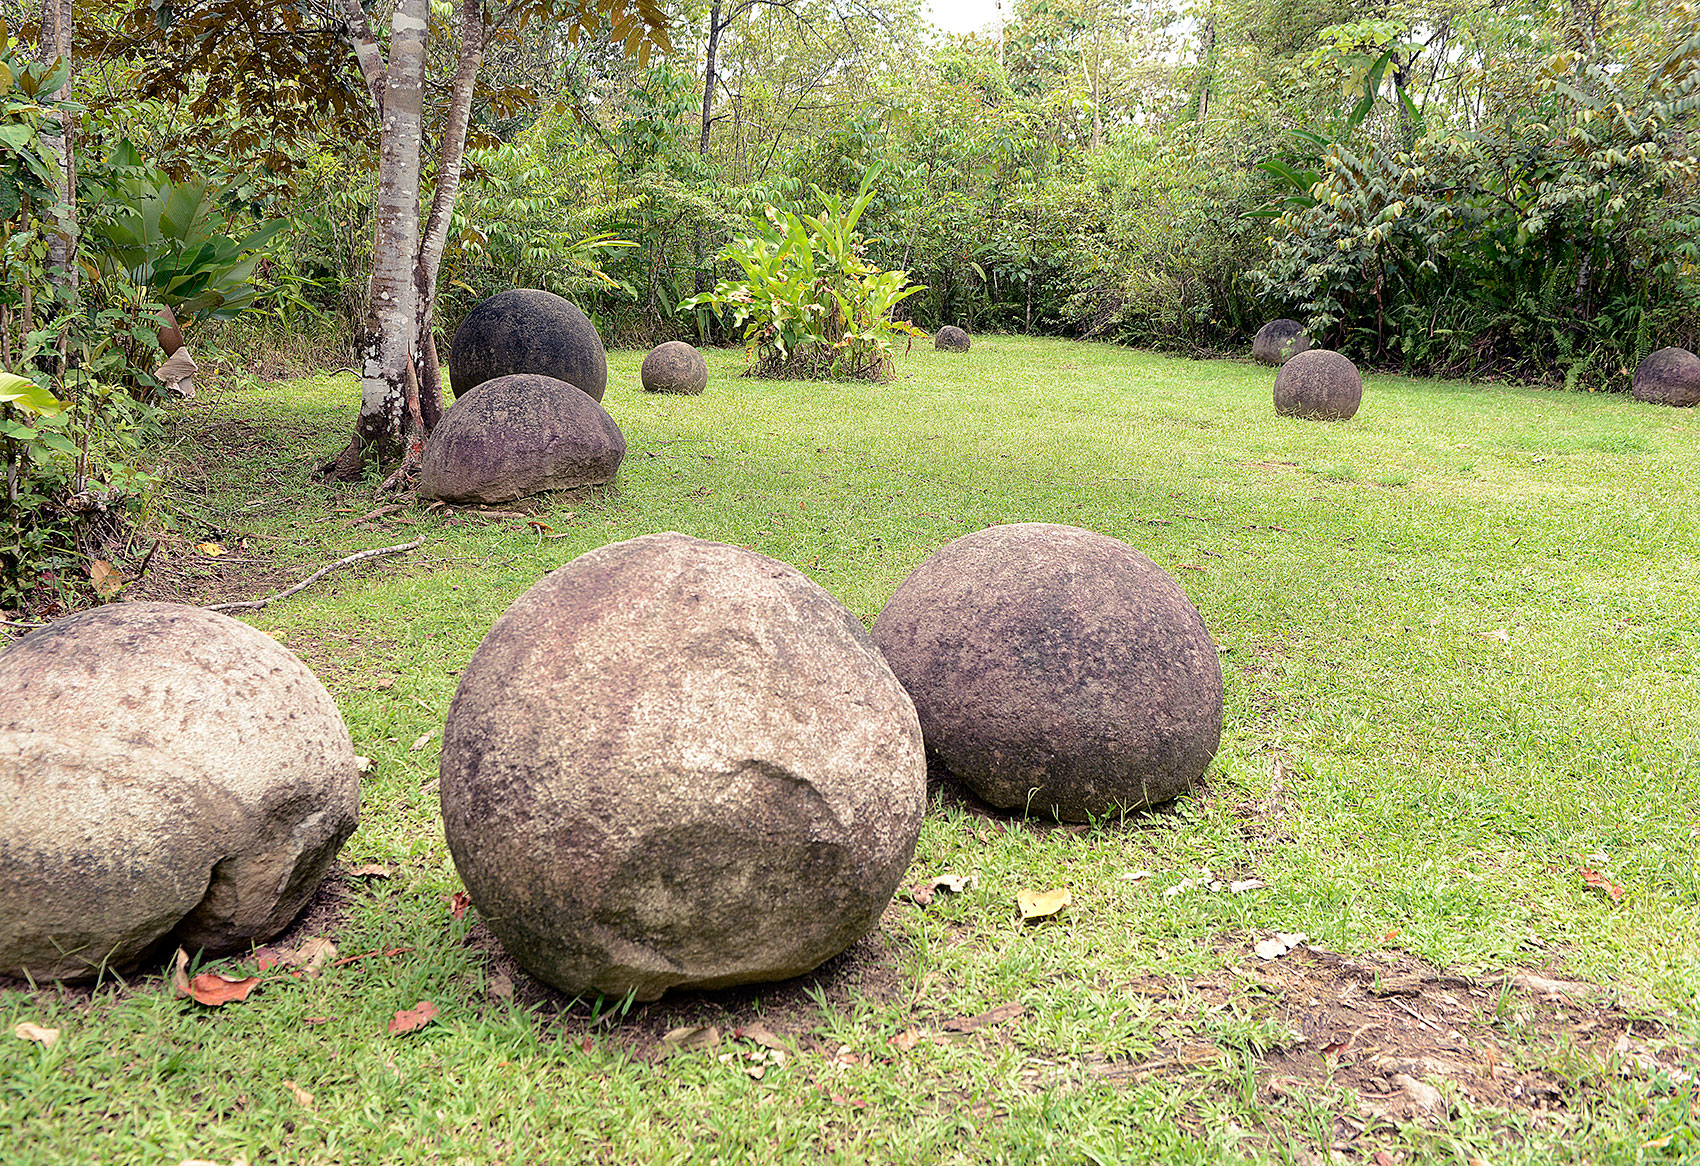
(950, 338)
(1318, 385)
(520, 435)
(1056, 671)
(526, 330)
(674, 367)
(1670, 376)
(171, 777)
(1279, 341)
(674, 763)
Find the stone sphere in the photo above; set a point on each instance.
(674, 763)
(950, 338)
(1670, 376)
(1056, 671)
(526, 330)
(520, 435)
(1278, 341)
(1318, 385)
(172, 778)
(674, 367)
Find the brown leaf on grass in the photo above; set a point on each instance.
(302, 1097)
(413, 1019)
(458, 903)
(996, 1015)
(211, 550)
(760, 1034)
(45, 1037)
(369, 870)
(689, 1037)
(501, 986)
(1042, 904)
(1595, 881)
(1499, 634)
(309, 959)
(422, 740)
(106, 579)
(907, 1039)
(210, 988)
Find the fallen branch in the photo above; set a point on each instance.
(256, 604)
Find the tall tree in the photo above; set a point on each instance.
(55, 45)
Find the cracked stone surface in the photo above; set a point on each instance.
(167, 776)
(675, 763)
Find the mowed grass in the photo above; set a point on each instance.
(1460, 631)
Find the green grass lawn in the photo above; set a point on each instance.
(1460, 637)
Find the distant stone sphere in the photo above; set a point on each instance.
(1318, 385)
(679, 764)
(950, 338)
(1670, 376)
(1056, 671)
(674, 367)
(173, 778)
(527, 331)
(1278, 341)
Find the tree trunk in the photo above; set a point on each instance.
(392, 318)
(1206, 64)
(60, 135)
(710, 74)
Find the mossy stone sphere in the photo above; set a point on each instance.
(674, 367)
(1670, 376)
(1056, 671)
(1319, 386)
(950, 338)
(1279, 341)
(528, 331)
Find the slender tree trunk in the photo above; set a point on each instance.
(711, 54)
(1206, 64)
(60, 135)
(388, 386)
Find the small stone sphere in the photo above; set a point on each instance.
(675, 763)
(950, 338)
(1318, 385)
(173, 778)
(1056, 671)
(526, 330)
(1278, 341)
(1670, 376)
(674, 367)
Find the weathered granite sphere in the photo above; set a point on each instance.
(171, 777)
(950, 338)
(1056, 671)
(674, 367)
(675, 763)
(527, 330)
(519, 435)
(1318, 385)
(1278, 341)
(1670, 376)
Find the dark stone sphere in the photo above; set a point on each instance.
(674, 367)
(1670, 376)
(1056, 671)
(950, 338)
(531, 331)
(1278, 341)
(1319, 385)
(519, 435)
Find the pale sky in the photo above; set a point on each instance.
(966, 15)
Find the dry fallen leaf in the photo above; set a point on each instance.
(1243, 885)
(214, 989)
(695, 1036)
(1042, 904)
(761, 1035)
(501, 986)
(212, 550)
(1596, 881)
(413, 1019)
(106, 579)
(422, 740)
(1500, 634)
(458, 904)
(304, 1098)
(369, 870)
(1137, 876)
(363, 764)
(45, 1037)
(1284, 942)
(907, 1039)
(923, 893)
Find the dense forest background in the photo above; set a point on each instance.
(1453, 186)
